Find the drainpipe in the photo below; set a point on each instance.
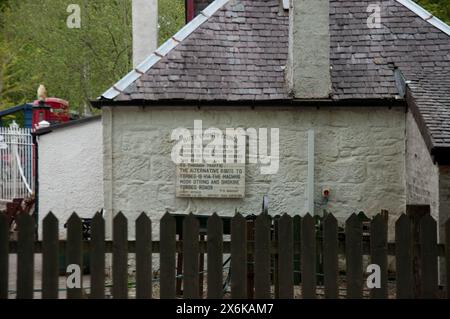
(310, 182)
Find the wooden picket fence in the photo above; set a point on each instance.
(296, 236)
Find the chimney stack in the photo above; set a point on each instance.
(145, 29)
(309, 49)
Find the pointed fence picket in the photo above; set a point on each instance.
(167, 255)
(25, 257)
(428, 257)
(262, 257)
(285, 257)
(330, 256)
(286, 245)
(50, 249)
(308, 257)
(378, 254)
(215, 257)
(354, 253)
(143, 257)
(97, 256)
(120, 257)
(404, 258)
(238, 257)
(191, 257)
(74, 252)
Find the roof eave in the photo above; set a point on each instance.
(439, 153)
(384, 102)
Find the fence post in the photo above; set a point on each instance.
(191, 257)
(353, 253)
(25, 257)
(308, 257)
(238, 257)
(215, 257)
(262, 257)
(143, 257)
(50, 246)
(4, 256)
(167, 256)
(330, 256)
(403, 258)
(415, 213)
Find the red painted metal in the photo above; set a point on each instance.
(53, 110)
(189, 4)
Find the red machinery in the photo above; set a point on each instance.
(52, 110)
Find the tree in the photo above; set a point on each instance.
(36, 46)
(77, 64)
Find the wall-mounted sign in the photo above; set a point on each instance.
(211, 180)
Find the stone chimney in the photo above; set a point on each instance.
(309, 49)
(145, 29)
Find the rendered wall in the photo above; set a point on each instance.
(422, 179)
(71, 172)
(359, 155)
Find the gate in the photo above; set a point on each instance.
(16, 162)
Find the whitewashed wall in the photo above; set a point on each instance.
(422, 176)
(71, 172)
(360, 156)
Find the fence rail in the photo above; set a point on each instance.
(277, 245)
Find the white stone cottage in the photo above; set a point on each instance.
(371, 83)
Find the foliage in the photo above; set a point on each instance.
(36, 46)
(171, 18)
(439, 8)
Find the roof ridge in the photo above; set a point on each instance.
(163, 50)
(425, 15)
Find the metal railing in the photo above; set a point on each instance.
(16, 162)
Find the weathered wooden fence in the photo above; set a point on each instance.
(295, 237)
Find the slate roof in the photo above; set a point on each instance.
(240, 54)
(363, 59)
(429, 96)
